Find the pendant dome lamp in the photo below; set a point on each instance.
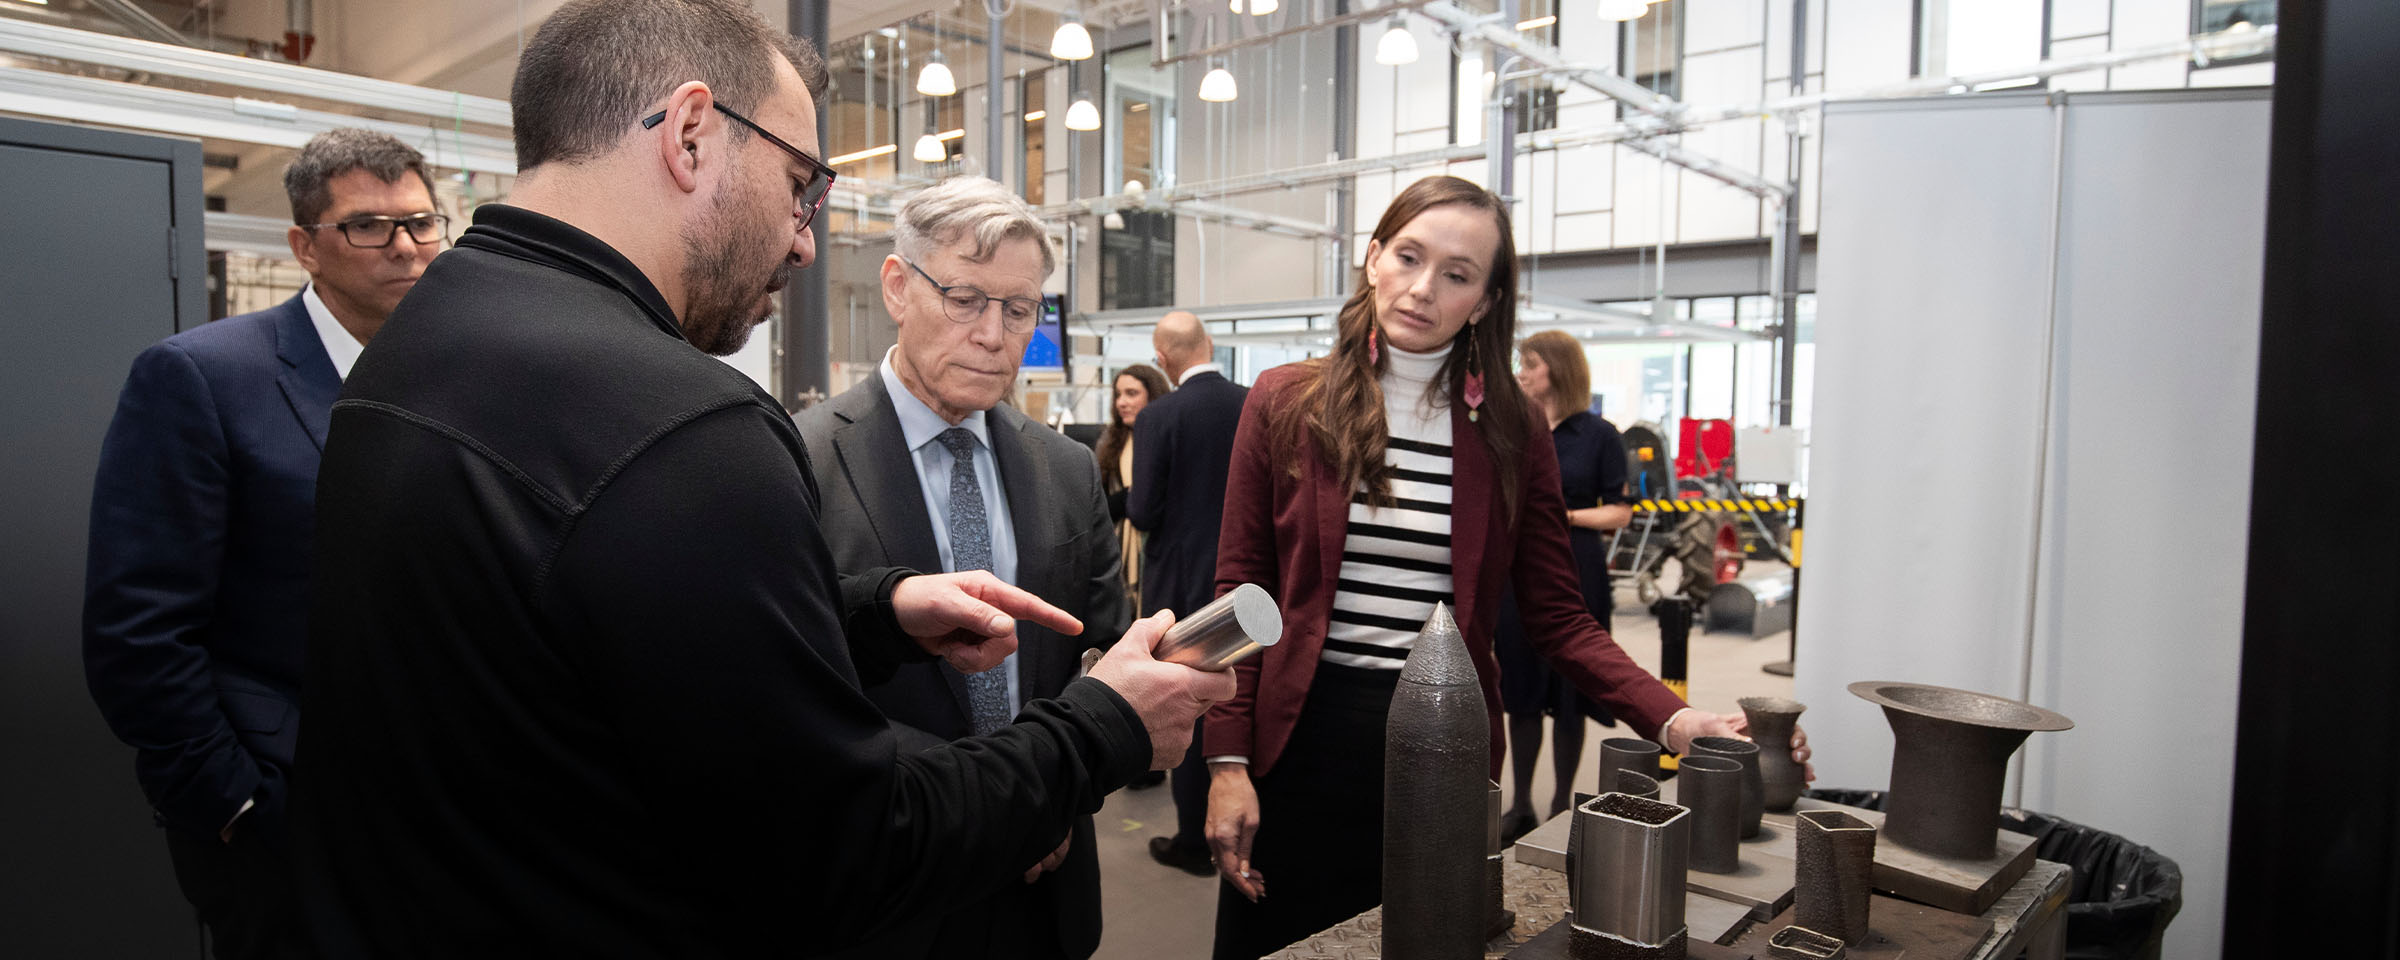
(1255, 8)
(1081, 115)
(1397, 47)
(929, 150)
(1217, 86)
(935, 80)
(1071, 42)
(1623, 10)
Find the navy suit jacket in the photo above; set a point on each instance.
(196, 589)
(1182, 447)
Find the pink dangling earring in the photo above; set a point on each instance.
(1372, 352)
(1474, 392)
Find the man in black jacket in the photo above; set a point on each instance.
(1182, 447)
(582, 678)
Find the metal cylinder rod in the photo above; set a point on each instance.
(1227, 631)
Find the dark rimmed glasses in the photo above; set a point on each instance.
(820, 177)
(376, 232)
(965, 304)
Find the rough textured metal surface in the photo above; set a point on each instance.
(1802, 943)
(1950, 751)
(1230, 629)
(1634, 784)
(1754, 788)
(1772, 721)
(1711, 788)
(1585, 944)
(1628, 753)
(1437, 752)
(1630, 861)
(1836, 873)
(1966, 886)
(1538, 896)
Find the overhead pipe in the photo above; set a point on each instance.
(141, 22)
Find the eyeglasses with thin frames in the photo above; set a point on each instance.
(376, 232)
(820, 177)
(965, 304)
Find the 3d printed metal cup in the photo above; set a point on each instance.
(1754, 790)
(1833, 873)
(1950, 751)
(1772, 722)
(1227, 631)
(1631, 860)
(1627, 753)
(1436, 801)
(1711, 787)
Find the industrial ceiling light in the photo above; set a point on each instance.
(1217, 86)
(1623, 10)
(935, 80)
(1071, 42)
(1397, 47)
(930, 150)
(1081, 115)
(1114, 220)
(1134, 187)
(1259, 8)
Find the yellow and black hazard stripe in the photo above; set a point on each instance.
(1762, 504)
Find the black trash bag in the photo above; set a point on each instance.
(2122, 894)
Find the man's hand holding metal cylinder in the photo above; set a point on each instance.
(1169, 697)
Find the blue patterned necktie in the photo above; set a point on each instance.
(971, 549)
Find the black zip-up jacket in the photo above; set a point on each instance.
(582, 679)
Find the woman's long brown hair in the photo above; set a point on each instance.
(1120, 433)
(1338, 400)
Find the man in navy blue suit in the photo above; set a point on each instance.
(196, 597)
(1182, 447)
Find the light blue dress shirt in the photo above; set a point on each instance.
(919, 425)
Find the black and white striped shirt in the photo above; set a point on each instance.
(1396, 559)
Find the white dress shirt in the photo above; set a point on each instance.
(340, 347)
(919, 426)
(1197, 369)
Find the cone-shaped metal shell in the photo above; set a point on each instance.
(1440, 654)
(1436, 782)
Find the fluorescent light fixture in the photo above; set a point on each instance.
(1138, 106)
(930, 150)
(1397, 47)
(38, 3)
(935, 80)
(2008, 84)
(1537, 22)
(1081, 115)
(1036, 115)
(866, 154)
(950, 134)
(1071, 42)
(1623, 10)
(1217, 86)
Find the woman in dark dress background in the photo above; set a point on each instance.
(1592, 472)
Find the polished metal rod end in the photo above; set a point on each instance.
(1230, 629)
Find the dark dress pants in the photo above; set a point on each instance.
(1320, 820)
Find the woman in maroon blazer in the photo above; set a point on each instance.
(1401, 470)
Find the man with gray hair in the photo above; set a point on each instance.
(195, 599)
(923, 465)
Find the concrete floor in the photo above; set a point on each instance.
(1157, 913)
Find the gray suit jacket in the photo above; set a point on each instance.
(1067, 554)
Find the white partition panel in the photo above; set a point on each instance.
(2138, 631)
(1937, 302)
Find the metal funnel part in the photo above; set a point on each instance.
(1950, 751)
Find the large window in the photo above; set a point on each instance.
(2212, 16)
(1140, 120)
(1650, 48)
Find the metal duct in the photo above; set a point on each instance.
(299, 31)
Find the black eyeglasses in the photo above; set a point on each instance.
(376, 232)
(820, 177)
(965, 304)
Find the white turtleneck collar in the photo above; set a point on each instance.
(1406, 380)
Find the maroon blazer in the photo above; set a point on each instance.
(1285, 533)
